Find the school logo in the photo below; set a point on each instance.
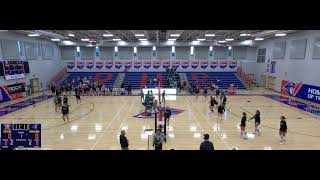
(165, 64)
(89, 64)
(185, 64)
(214, 64)
(137, 64)
(99, 64)
(175, 64)
(80, 64)
(291, 88)
(146, 64)
(232, 64)
(128, 64)
(223, 64)
(118, 64)
(194, 64)
(156, 64)
(70, 64)
(204, 64)
(109, 64)
(150, 115)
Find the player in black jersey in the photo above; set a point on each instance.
(217, 93)
(213, 102)
(256, 122)
(205, 92)
(65, 112)
(78, 96)
(221, 110)
(197, 92)
(243, 125)
(224, 101)
(59, 99)
(65, 99)
(283, 130)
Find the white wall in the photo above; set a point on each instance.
(306, 70)
(40, 67)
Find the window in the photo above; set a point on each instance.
(316, 49)
(261, 55)
(298, 49)
(279, 49)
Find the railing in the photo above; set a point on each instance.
(245, 77)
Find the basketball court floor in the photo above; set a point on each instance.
(95, 124)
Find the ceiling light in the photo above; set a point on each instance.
(139, 35)
(174, 35)
(229, 47)
(116, 39)
(153, 48)
(68, 42)
(55, 39)
(222, 41)
(143, 39)
(209, 35)
(71, 35)
(3, 30)
(107, 35)
(258, 39)
(33, 35)
(201, 39)
(196, 41)
(172, 39)
(85, 39)
(122, 43)
(280, 34)
(229, 39)
(144, 42)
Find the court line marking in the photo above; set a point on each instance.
(108, 126)
(227, 145)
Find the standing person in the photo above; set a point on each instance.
(224, 101)
(221, 110)
(124, 142)
(65, 112)
(78, 96)
(205, 92)
(65, 99)
(197, 91)
(129, 88)
(243, 125)
(158, 139)
(217, 93)
(59, 99)
(283, 129)
(168, 115)
(213, 102)
(256, 122)
(141, 96)
(221, 95)
(206, 144)
(163, 96)
(56, 102)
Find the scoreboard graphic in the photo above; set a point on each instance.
(20, 136)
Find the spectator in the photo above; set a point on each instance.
(124, 142)
(206, 144)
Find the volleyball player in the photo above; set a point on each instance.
(197, 91)
(221, 95)
(283, 129)
(256, 122)
(65, 99)
(56, 102)
(59, 101)
(213, 102)
(141, 96)
(224, 101)
(78, 96)
(205, 92)
(217, 93)
(65, 112)
(243, 125)
(221, 110)
(163, 96)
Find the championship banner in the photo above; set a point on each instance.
(194, 64)
(80, 64)
(185, 64)
(147, 64)
(118, 64)
(165, 63)
(127, 64)
(89, 64)
(233, 64)
(99, 64)
(223, 64)
(70, 64)
(204, 64)
(109, 64)
(175, 64)
(300, 90)
(156, 64)
(214, 64)
(137, 64)
(12, 91)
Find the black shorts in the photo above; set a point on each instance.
(65, 113)
(243, 125)
(78, 97)
(282, 131)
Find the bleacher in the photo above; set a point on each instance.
(106, 78)
(221, 79)
(139, 80)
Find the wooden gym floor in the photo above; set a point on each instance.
(95, 124)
